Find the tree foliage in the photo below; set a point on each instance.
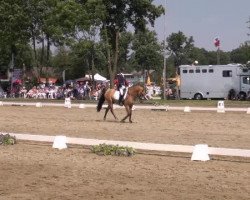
(180, 47)
(241, 54)
(147, 52)
(120, 14)
(89, 36)
(14, 34)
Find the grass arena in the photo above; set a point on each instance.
(31, 170)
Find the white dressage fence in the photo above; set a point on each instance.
(149, 107)
(136, 145)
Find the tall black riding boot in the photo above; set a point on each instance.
(120, 100)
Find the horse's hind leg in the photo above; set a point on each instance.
(110, 107)
(130, 113)
(123, 120)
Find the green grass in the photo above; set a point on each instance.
(7, 139)
(114, 150)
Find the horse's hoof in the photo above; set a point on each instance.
(122, 121)
(130, 121)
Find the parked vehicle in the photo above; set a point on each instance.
(214, 81)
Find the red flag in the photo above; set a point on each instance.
(217, 42)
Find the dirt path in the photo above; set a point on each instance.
(39, 172)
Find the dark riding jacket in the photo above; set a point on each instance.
(121, 81)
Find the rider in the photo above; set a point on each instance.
(121, 87)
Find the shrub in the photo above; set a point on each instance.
(116, 150)
(7, 139)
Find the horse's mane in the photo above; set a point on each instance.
(138, 84)
(133, 90)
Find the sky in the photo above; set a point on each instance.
(205, 20)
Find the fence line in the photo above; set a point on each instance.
(136, 145)
(150, 107)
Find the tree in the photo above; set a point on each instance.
(86, 57)
(61, 61)
(126, 39)
(180, 48)
(248, 27)
(200, 55)
(53, 22)
(14, 23)
(85, 49)
(241, 54)
(205, 57)
(147, 53)
(118, 15)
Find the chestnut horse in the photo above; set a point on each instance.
(136, 91)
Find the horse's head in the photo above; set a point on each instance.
(143, 94)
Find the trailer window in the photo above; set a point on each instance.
(197, 71)
(184, 71)
(211, 70)
(246, 80)
(191, 71)
(245, 70)
(227, 73)
(204, 70)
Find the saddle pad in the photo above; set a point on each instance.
(116, 95)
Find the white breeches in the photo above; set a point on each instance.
(122, 89)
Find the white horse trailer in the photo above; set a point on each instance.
(214, 81)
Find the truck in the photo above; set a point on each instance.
(214, 81)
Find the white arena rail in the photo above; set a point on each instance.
(136, 145)
(137, 107)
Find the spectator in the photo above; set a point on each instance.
(86, 89)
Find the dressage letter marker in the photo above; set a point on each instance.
(38, 105)
(1, 103)
(200, 152)
(67, 103)
(248, 110)
(81, 106)
(220, 107)
(60, 142)
(187, 109)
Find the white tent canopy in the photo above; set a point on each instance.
(97, 77)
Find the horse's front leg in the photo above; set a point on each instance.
(128, 114)
(106, 111)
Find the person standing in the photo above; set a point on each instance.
(86, 89)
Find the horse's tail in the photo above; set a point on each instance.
(101, 100)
